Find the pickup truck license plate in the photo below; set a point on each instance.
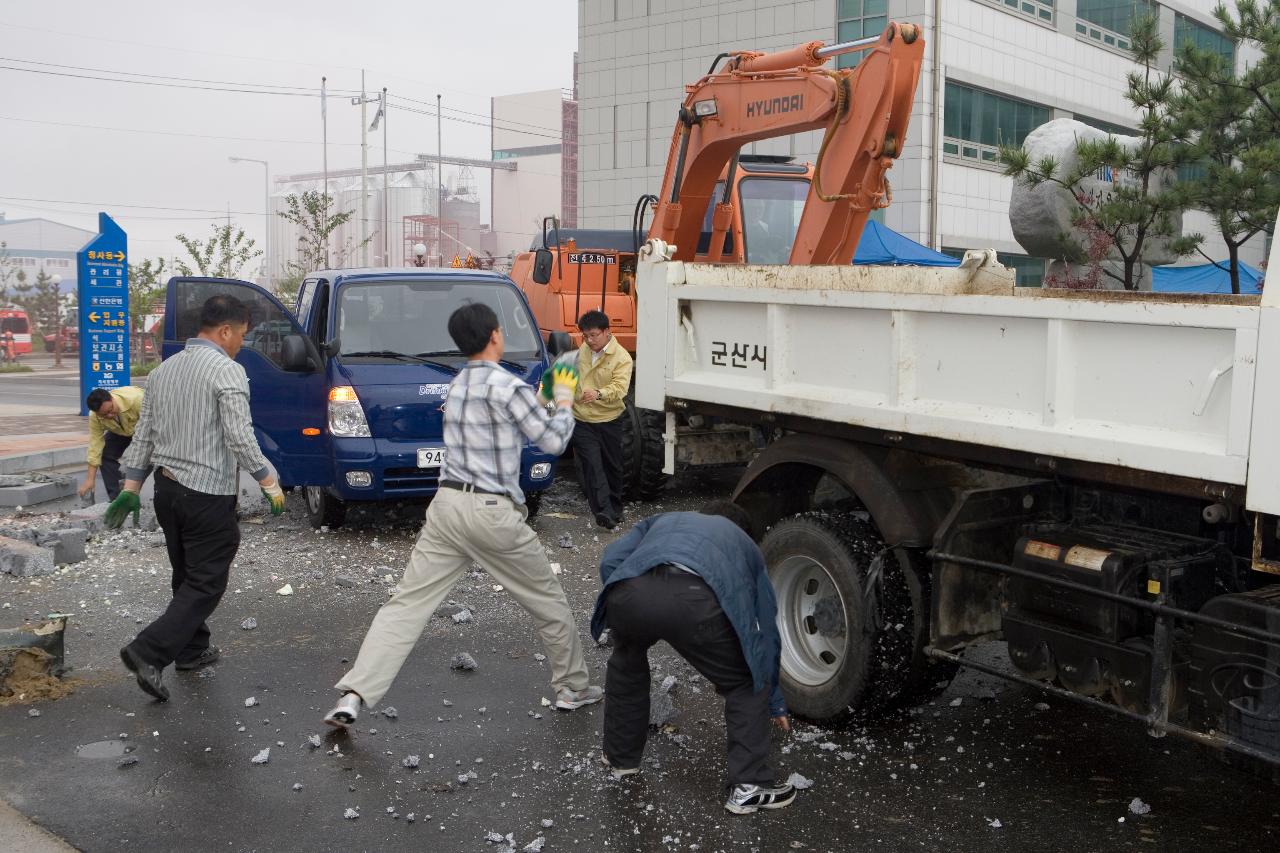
(430, 457)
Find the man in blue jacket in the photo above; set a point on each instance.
(698, 581)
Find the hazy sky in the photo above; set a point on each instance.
(82, 145)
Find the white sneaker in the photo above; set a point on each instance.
(568, 700)
(746, 799)
(345, 712)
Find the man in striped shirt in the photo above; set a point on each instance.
(479, 515)
(196, 427)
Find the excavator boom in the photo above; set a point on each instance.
(755, 96)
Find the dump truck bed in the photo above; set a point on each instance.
(1150, 382)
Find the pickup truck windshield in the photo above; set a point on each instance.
(387, 320)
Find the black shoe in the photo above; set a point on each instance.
(208, 656)
(605, 521)
(148, 675)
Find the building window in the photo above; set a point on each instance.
(858, 19)
(1110, 21)
(527, 151)
(1041, 10)
(976, 123)
(1028, 271)
(1190, 31)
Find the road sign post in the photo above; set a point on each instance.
(103, 287)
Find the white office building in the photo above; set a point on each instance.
(999, 68)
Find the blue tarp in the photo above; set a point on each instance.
(1205, 278)
(881, 245)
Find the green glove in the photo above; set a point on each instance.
(563, 372)
(126, 503)
(275, 497)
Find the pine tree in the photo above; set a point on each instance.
(1146, 209)
(1233, 123)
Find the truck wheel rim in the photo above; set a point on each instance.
(313, 498)
(812, 620)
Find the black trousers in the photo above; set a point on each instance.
(113, 449)
(597, 448)
(202, 535)
(673, 605)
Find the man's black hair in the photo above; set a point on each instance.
(593, 320)
(223, 309)
(471, 327)
(733, 512)
(96, 398)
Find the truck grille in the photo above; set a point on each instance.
(410, 479)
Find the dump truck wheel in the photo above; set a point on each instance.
(643, 453)
(850, 635)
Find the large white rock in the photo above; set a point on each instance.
(1041, 216)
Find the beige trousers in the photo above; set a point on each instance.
(461, 527)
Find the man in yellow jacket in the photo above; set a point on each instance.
(605, 371)
(113, 416)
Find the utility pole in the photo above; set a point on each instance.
(439, 183)
(266, 202)
(324, 122)
(386, 184)
(364, 172)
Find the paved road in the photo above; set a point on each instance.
(38, 394)
(983, 768)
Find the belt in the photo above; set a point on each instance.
(467, 487)
(168, 473)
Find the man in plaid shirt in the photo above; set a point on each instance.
(479, 515)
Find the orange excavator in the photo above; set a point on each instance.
(718, 205)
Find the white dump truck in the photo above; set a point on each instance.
(945, 459)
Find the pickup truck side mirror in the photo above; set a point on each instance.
(559, 343)
(293, 354)
(542, 263)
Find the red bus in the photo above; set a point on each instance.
(15, 320)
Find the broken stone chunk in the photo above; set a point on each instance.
(800, 783)
(463, 661)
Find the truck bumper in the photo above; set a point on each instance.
(393, 473)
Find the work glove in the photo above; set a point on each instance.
(560, 381)
(126, 503)
(274, 496)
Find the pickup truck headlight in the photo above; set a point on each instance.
(346, 415)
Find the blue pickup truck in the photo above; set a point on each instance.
(348, 389)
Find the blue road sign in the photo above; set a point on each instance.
(103, 267)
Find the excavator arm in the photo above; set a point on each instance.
(865, 111)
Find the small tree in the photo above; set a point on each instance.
(1232, 123)
(311, 213)
(40, 300)
(224, 254)
(1148, 208)
(8, 272)
(146, 291)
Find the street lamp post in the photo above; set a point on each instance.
(419, 254)
(266, 200)
(57, 307)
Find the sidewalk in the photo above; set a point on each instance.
(39, 433)
(18, 833)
